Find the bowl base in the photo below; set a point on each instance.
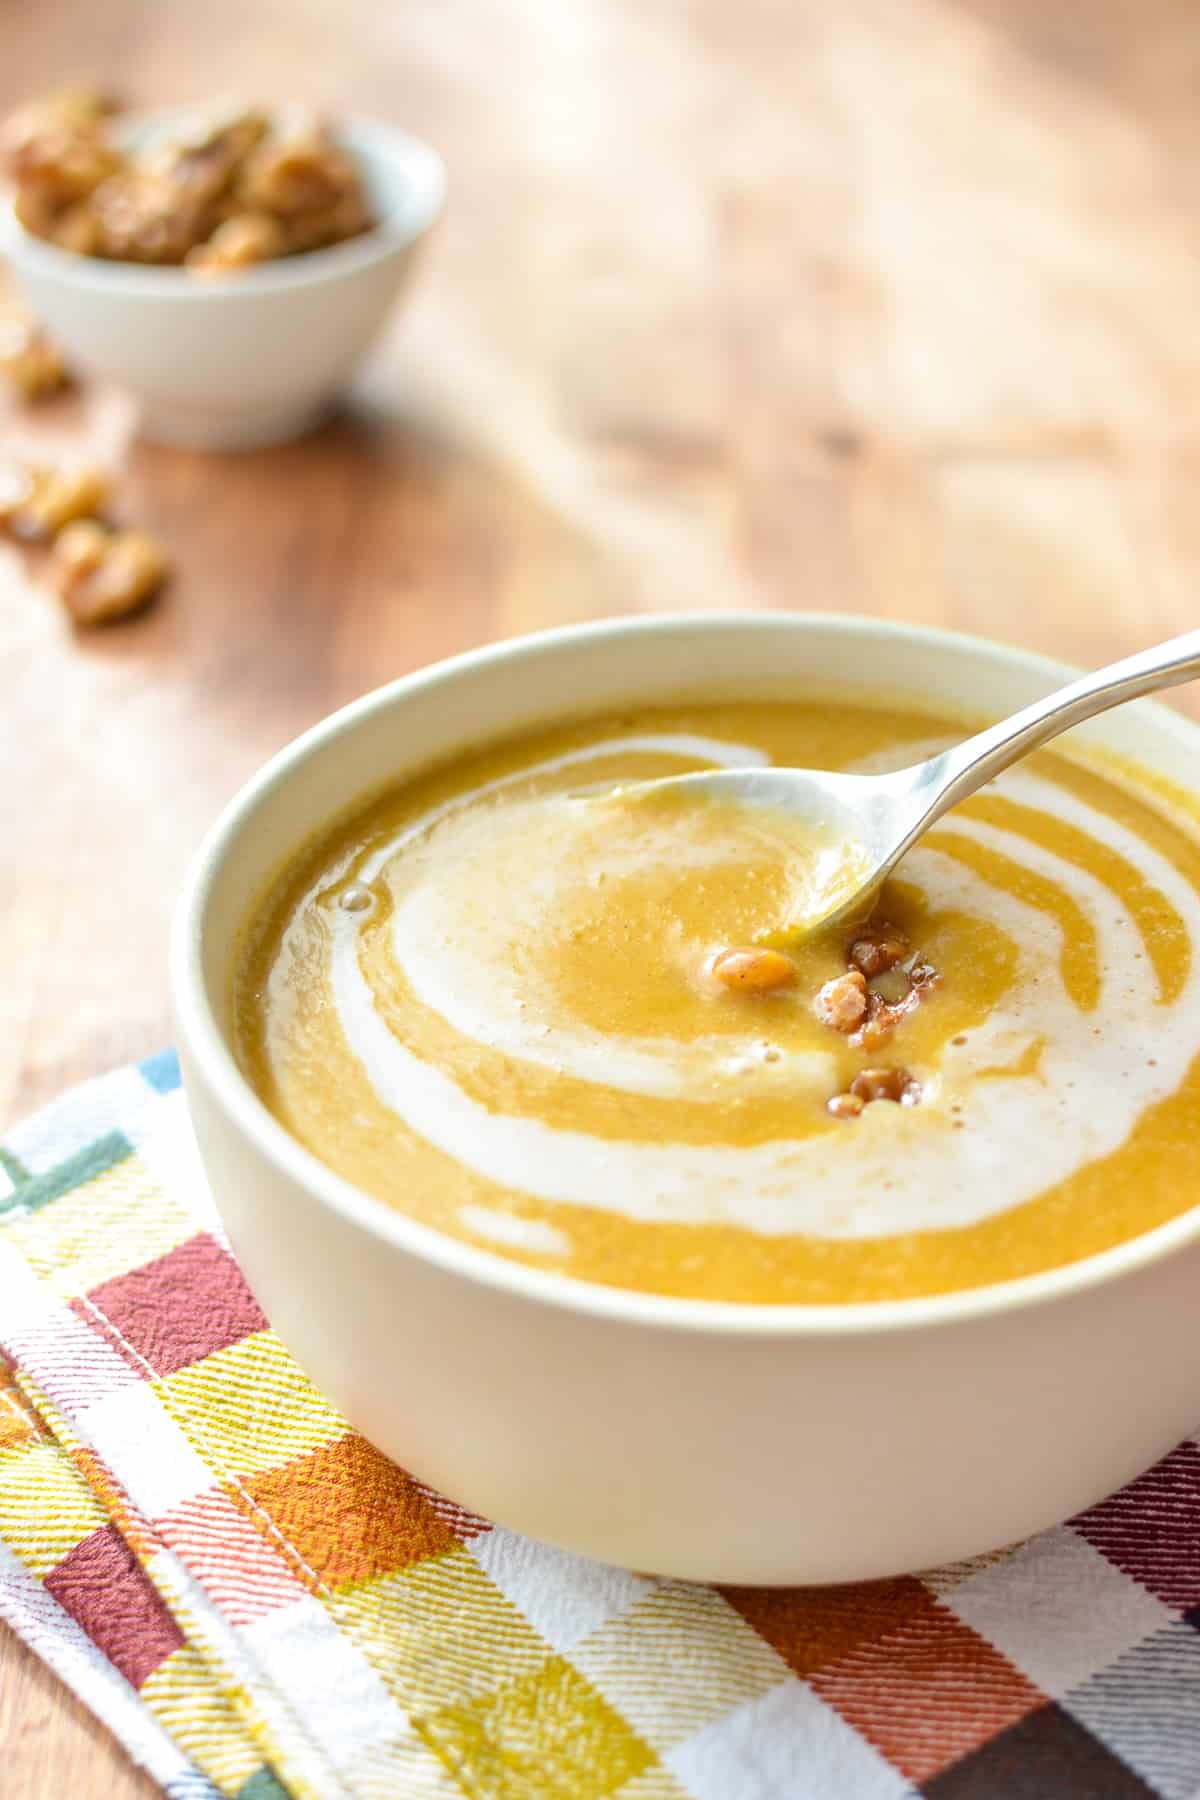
(206, 428)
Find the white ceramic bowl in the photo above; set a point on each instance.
(253, 359)
(730, 1442)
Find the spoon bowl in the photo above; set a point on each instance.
(861, 825)
(847, 820)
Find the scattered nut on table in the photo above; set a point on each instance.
(30, 364)
(53, 498)
(102, 575)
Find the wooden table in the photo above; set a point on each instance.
(889, 306)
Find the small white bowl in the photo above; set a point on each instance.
(255, 358)
(730, 1442)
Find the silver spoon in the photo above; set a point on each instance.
(884, 815)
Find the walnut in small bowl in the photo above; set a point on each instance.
(215, 194)
(228, 271)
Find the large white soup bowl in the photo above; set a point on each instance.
(737, 1443)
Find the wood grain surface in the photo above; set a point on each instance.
(889, 306)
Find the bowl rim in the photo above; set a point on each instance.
(395, 232)
(205, 1043)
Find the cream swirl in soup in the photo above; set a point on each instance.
(488, 998)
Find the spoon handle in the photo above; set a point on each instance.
(957, 772)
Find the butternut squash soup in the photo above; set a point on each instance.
(580, 1027)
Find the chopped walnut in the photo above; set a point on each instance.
(882, 984)
(57, 142)
(349, 217)
(16, 486)
(161, 205)
(101, 575)
(77, 229)
(29, 362)
(142, 218)
(302, 171)
(886, 1084)
(205, 165)
(183, 200)
(896, 981)
(885, 1014)
(79, 107)
(842, 1003)
(54, 498)
(54, 152)
(895, 1085)
(36, 211)
(877, 950)
(65, 167)
(237, 243)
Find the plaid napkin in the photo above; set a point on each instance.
(258, 1604)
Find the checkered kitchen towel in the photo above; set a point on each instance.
(258, 1604)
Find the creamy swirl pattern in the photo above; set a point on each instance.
(452, 982)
